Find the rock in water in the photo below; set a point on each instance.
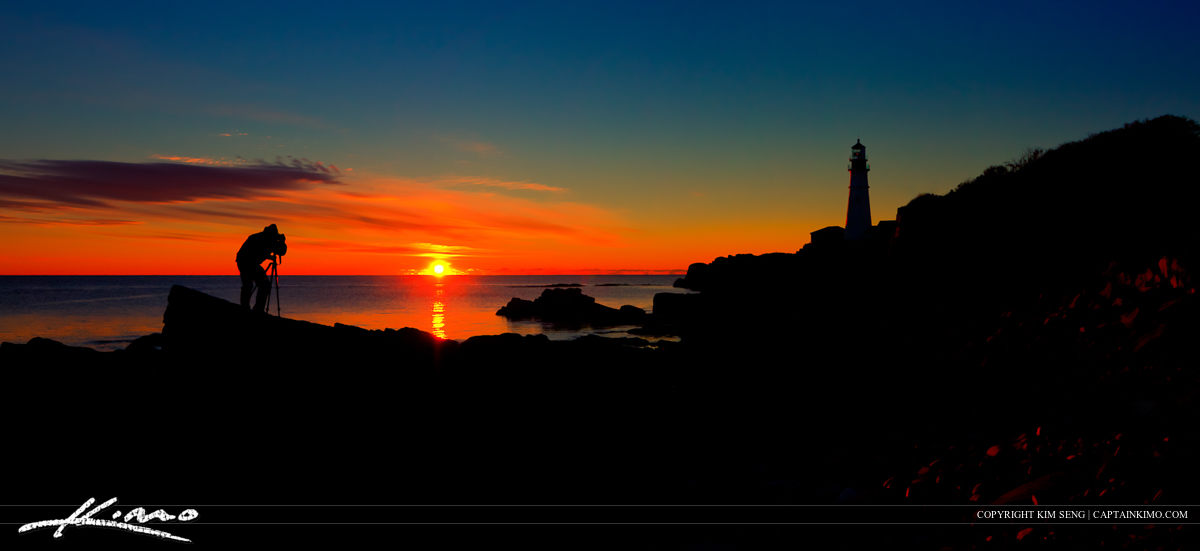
(570, 307)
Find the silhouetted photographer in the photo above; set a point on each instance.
(268, 244)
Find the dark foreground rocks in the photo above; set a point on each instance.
(233, 403)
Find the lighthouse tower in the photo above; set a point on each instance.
(858, 212)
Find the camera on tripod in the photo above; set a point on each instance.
(277, 247)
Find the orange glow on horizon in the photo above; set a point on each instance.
(383, 227)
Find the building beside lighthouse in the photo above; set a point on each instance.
(858, 209)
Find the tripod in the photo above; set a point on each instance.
(273, 278)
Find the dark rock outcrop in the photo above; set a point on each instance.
(742, 271)
(672, 314)
(570, 307)
(48, 352)
(200, 326)
(147, 344)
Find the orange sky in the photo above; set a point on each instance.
(357, 224)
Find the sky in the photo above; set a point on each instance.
(532, 138)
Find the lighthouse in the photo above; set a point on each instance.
(858, 211)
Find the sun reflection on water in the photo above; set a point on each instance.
(439, 312)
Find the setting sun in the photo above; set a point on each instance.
(437, 268)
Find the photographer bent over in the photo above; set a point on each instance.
(265, 245)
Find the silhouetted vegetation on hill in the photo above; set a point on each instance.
(1126, 195)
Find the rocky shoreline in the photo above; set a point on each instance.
(195, 322)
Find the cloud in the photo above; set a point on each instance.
(173, 236)
(29, 206)
(459, 216)
(443, 249)
(95, 183)
(410, 249)
(305, 164)
(465, 216)
(197, 160)
(69, 221)
(311, 209)
(527, 224)
(501, 184)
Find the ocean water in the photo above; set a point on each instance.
(107, 312)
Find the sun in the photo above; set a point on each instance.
(438, 268)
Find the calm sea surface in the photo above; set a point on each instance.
(107, 312)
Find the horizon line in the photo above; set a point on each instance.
(618, 273)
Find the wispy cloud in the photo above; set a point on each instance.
(408, 249)
(305, 164)
(198, 160)
(173, 236)
(95, 183)
(68, 221)
(500, 184)
(443, 249)
(33, 206)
